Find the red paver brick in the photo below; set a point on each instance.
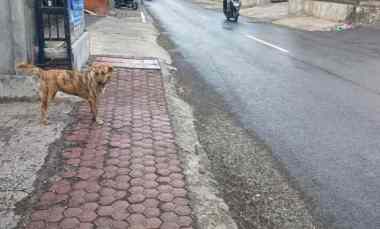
(169, 217)
(137, 219)
(153, 223)
(151, 203)
(136, 173)
(174, 169)
(137, 182)
(73, 162)
(37, 225)
(177, 176)
(150, 169)
(123, 179)
(183, 210)
(179, 192)
(166, 197)
(150, 184)
(72, 212)
(185, 221)
(136, 198)
(122, 186)
(105, 211)
(87, 216)
(151, 193)
(107, 200)
(91, 197)
(163, 172)
(40, 215)
(152, 212)
(170, 225)
(81, 185)
(53, 226)
(136, 189)
(92, 187)
(76, 201)
(168, 206)
(164, 188)
(107, 191)
(164, 179)
(86, 226)
(177, 183)
(120, 195)
(55, 214)
(89, 206)
(181, 201)
(69, 174)
(70, 223)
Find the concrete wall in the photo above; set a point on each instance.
(250, 3)
(6, 57)
(328, 10)
(16, 33)
(367, 12)
(296, 7)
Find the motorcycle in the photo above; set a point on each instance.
(231, 9)
(127, 3)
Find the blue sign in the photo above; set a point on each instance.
(76, 8)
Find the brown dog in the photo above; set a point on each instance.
(87, 85)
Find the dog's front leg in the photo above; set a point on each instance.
(44, 103)
(94, 111)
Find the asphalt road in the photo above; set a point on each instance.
(314, 98)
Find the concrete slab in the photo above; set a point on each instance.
(14, 87)
(308, 23)
(131, 63)
(123, 37)
(269, 12)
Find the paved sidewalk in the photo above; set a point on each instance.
(124, 174)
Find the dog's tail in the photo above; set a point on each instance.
(29, 69)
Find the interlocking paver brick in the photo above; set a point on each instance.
(170, 225)
(70, 223)
(55, 214)
(87, 216)
(36, 225)
(124, 174)
(166, 197)
(153, 223)
(86, 226)
(136, 198)
(72, 212)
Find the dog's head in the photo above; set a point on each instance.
(28, 69)
(102, 72)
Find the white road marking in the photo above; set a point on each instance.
(267, 43)
(143, 18)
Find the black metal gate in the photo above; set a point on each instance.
(53, 33)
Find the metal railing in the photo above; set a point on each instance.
(53, 32)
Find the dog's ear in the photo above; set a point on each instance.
(22, 66)
(28, 68)
(110, 68)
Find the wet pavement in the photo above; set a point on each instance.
(312, 97)
(124, 174)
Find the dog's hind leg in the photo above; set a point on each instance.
(44, 99)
